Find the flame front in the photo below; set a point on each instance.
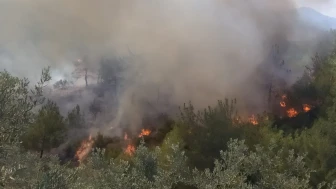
(292, 112)
(84, 149)
(145, 132)
(306, 107)
(283, 103)
(130, 149)
(253, 120)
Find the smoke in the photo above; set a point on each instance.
(191, 50)
(326, 6)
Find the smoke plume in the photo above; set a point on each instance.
(193, 50)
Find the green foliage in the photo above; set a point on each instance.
(263, 135)
(174, 137)
(141, 172)
(207, 132)
(321, 153)
(17, 103)
(26, 170)
(146, 162)
(113, 151)
(47, 131)
(262, 168)
(317, 143)
(112, 146)
(323, 79)
(238, 167)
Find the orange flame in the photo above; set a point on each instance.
(306, 107)
(283, 103)
(145, 132)
(253, 120)
(292, 112)
(84, 149)
(130, 149)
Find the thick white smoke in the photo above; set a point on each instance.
(192, 49)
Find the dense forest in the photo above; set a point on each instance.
(291, 145)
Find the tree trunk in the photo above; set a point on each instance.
(42, 145)
(86, 82)
(41, 153)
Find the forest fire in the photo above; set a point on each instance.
(306, 107)
(253, 120)
(292, 112)
(283, 103)
(145, 132)
(84, 149)
(130, 149)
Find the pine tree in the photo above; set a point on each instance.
(47, 131)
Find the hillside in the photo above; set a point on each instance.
(314, 17)
(166, 94)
